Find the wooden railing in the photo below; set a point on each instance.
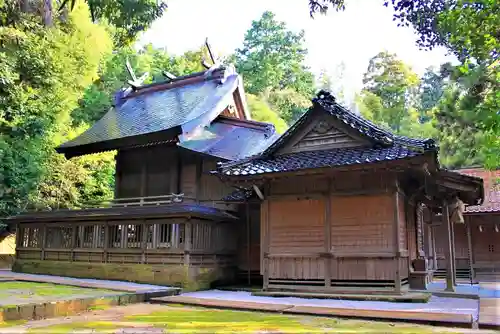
(134, 201)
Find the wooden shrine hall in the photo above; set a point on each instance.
(477, 240)
(204, 193)
(342, 204)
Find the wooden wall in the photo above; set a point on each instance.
(485, 244)
(165, 169)
(346, 228)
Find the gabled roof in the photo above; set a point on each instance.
(491, 179)
(161, 110)
(230, 138)
(383, 146)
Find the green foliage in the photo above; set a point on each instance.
(44, 71)
(128, 17)
(394, 83)
(468, 29)
(261, 111)
(271, 62)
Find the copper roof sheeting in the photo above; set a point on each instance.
(230, 139)
(183, 104)
(491, 179)
(116, 213)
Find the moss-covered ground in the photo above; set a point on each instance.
(180, 319)
(15, 293)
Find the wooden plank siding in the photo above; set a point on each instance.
(324, 232)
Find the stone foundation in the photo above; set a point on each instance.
(188, 278)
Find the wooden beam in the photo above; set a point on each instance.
(106, 242)
(470, 251)
(328, 236)
(187, 242)
(397, 241)
(265, 225)
(448, 251)
(44, 240)
(247, 214)
(453, 252)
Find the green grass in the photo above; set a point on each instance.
(26, 291)
(200, 320)
(4, 324)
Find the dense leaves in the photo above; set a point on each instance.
(271, 62)
(43, 70)
(471, 31)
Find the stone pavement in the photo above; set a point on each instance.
(437, 310)
(88, 283)
(489, 305)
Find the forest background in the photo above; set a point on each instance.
(62, 61)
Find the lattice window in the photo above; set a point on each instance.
(134, 236)
(31, 237)
(58, 237)
(115, 236)
(91, 236)
(164, 235)
(491, 248)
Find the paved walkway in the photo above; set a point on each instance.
(87, 282)
(443, 310)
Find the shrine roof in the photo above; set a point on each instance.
(230, 138)
(162, 109)
(383, 146)
(491, 179)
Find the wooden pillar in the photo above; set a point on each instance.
(470, 251)
(397, 242)
(154, 237)
(73, 242)
(453, 256)
(144, 241)
(187, 242)
(265, 247)
(328, 242)
(144, 175)
(199, 170)
(117, 174)
(44, 240)
(123, 235)
(247, 214)
(448, 251)
(106, 242)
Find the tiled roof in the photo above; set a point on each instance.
(326, 102)
(491, 181)
(320, 159)
(230, 139)
(239, 195)
(385, 146)
(160, 108)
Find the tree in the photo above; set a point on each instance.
(261, 111)
(272, 60)
(394, 83)
(113, 76)
(469, 29)
(127, 18)
(43, 71)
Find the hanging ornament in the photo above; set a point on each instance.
(496, 228)
(480, 228)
